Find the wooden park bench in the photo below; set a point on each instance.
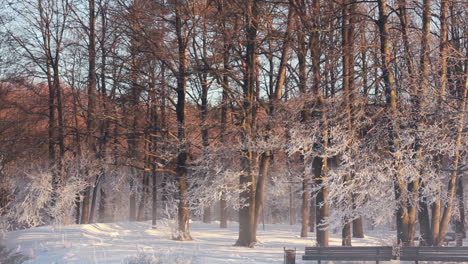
(348, 253)
(416, 254)
(444, 254)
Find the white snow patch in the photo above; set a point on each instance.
(119, 242)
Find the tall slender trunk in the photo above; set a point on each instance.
(104, 124)
(261, 183)
(205, 86)
(402, 214)
(275, 98)
(320, 164)
(305, 118)
(183, 207)
(223, 217)
(413, 187)
(348, 10)
(91, 111)
(60, 124)
(460, 221)
(444, 224)
(419, 124)
(77, 143)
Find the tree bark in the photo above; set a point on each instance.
(261, 183)
(358, 230)
(247, 236)
(402, 214)
(320, 164)
(312, 214)
(305, 118)
(444, 224)
(460, 222)
(91, 116)
(183, 208)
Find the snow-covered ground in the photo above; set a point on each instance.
(120, 242)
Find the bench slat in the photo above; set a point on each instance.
(454, 254)
(348, 253)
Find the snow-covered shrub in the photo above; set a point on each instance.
(147, 258)
(36, 200)
(143, 258)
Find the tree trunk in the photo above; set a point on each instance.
(454, 177)
(223, 210)
(460, 222)
(247, 211)
(424, 224)
(261, 183)
(247, 236)
(305, 118)
(183, 208)
(90, 121)
(144, 194)
(305, 204)
(102, 207)
(154, 203)
(312, 215)
(85, 206)
(96, 187)
(402, 214)
(347, 34)
(319, 166)
(346, 235)
(358, 230)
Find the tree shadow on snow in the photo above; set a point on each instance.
(10, 257)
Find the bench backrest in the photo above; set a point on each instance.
(348, 253)
(434, 253)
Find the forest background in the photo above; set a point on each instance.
(136, 110)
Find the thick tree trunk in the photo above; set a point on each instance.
(144, 195)
(319, 166)
(85, 206)
(312, 215)
(261, 183)
(424, 224)
(247, 236)
(102, 207)
(358, 230)
(460, 221)
(247, 211)
(346, 235)
(96, 189)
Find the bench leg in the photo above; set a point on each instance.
(319, 261)
(376, 262)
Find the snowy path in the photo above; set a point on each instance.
(114, 242)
